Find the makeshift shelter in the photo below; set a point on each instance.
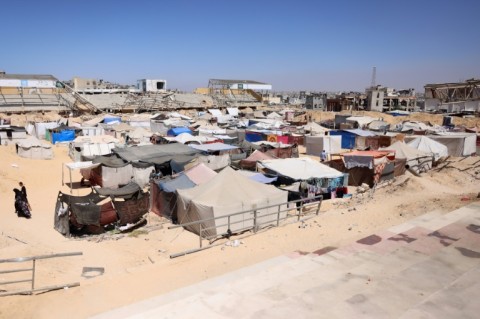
(429, 146)
(315, 129)
(372, 142)
(12, 134)
(317, 178)
(39, 129)
(258, 177)
(349, 136)
(138, 136)
(370, 167)
(314, 145)
(187, 138)
(218, 155)
(33, 148)
(378, 125)
(112, 172)
(86, 166)
(174, 131)
(163, 191)
(227, 193)
(360, 121)
(277, 149)
(60, 134)
(250, 162)
(157, 154)
(416, 160)
(92, 213)
(458, 143)
(86, 147)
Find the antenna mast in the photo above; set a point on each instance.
(374, 76)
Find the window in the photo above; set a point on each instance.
(160, 85)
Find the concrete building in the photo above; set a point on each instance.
(453, 97)
(149, 85)
(383, 99)
(316, 101)
(96, 86)
(375, 96)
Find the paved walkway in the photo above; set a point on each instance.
(428, 267)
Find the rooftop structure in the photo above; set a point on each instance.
(453, 97)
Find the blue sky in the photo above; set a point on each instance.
(294, 45)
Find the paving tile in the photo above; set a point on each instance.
(426, 268)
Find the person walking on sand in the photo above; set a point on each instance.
(323, 156)
(23, 189)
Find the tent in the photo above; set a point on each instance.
(227, 193)
(112, 172)
(251, 161)
(138, 136)
(314, 128)
(416, 159)
(314, 145)
(60, 134)
(258, 177)
(369, 167)
(157, 154)
(33, 148)
(174, 131)
(277, 149)
(349, 136)
(300, 168)
(360, 121)
(430, 146)
(163, 192)
(89, 146)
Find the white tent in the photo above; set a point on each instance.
(315, 128)
(362, 121)
(416, 159)
(227, 193)
(32, 147)
(300, 168)
(314, 145)
(89, 146)
(430, 146)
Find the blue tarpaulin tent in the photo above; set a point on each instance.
(63, 136)
(111, 119)
(174, 131)
(181, 182)
(254, 136)
(348, 136)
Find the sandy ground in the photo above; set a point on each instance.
(137, 265)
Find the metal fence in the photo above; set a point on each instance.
(299, 212)
(32, 278)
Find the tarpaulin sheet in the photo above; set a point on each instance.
(63, 136)
(157, 154)
(180, 182)
(124, 191)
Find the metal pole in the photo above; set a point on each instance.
(33, 274)
(318, 207)
(254, 221)
(200, 237)
(278, 215)
(71, 183)
(301, 211)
